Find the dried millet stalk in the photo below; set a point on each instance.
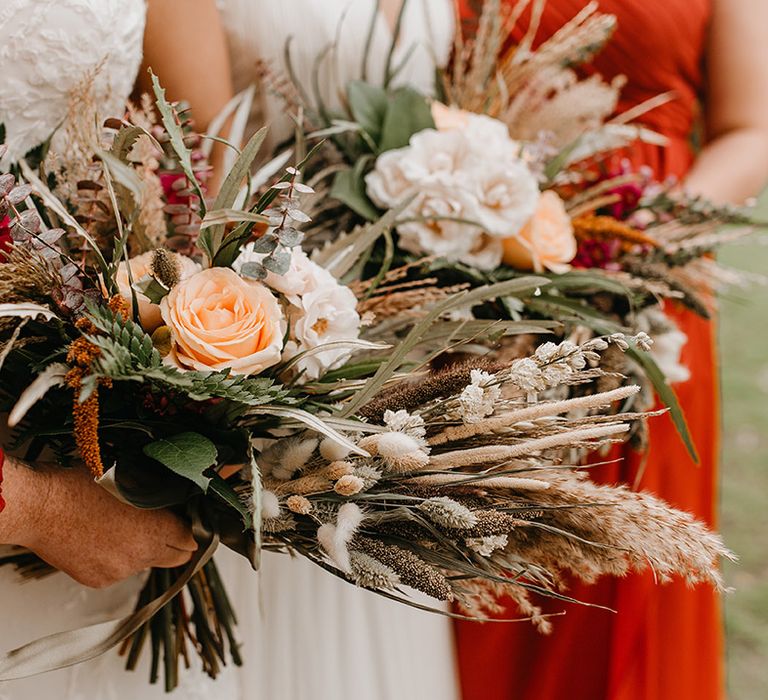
(412, 570)
(409, 396)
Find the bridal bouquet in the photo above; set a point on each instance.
(192, 356)
(510, 170)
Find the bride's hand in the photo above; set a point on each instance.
(75, 525)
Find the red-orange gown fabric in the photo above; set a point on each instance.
(664, 642)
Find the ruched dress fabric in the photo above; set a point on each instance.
(663, 642)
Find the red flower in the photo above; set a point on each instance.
(593, 254)
(5, 237)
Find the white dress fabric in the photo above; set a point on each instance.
(48, 49)
(307, 635)
(51, 49)
(257, 32)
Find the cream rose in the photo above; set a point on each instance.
(220, 321)
(471, 189)
(141, 265)
(546, 241)
(319, 308)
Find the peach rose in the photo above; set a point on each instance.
(220, 321)
(141, 265)
(546, 241)
(447, 118)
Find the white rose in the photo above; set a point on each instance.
(508, 194)
(471, 171)
(326, 314)
(320, 311)
(141, 265)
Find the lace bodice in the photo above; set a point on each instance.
(51, 49)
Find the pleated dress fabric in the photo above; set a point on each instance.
(663, 642)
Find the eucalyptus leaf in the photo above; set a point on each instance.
(186, 454)
(278, 261)
(266, 243)
(291, 237)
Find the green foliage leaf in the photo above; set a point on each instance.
(667, 396)
(151, 288)
(210, 239)
(127, 354)
(368, 104)
(186, 454)
(349, 188)
(227, 494)
(176, 136)
(408, 112)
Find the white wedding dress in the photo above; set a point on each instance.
(306, 635)
(49, 50)
(320, 638)
(317, 637)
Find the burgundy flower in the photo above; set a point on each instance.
(5, 237)
(593, 254)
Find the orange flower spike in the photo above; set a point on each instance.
(120, 307)
(606, 227)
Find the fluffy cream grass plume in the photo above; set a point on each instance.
(613, 530)
(334, 539)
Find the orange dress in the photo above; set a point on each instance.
(663, 642)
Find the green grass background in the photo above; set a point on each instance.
(744, 347)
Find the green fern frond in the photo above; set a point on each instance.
(127, 354)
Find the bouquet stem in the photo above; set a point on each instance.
(208, 625)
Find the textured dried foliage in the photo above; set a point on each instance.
(488, 507)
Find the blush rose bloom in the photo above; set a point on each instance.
(546, 242)
(220, 321)
(447, 118)
(471, 171)
(141, 265)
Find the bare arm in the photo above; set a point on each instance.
(185, 46)
(733, 165)
(73, 524)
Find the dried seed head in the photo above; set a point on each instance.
(336, 470)
(299, 505)
(485, 546)
(446, 512)
(371, 573)
(165, 267)
(349, 485)
(412, 570)
(369, 475)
